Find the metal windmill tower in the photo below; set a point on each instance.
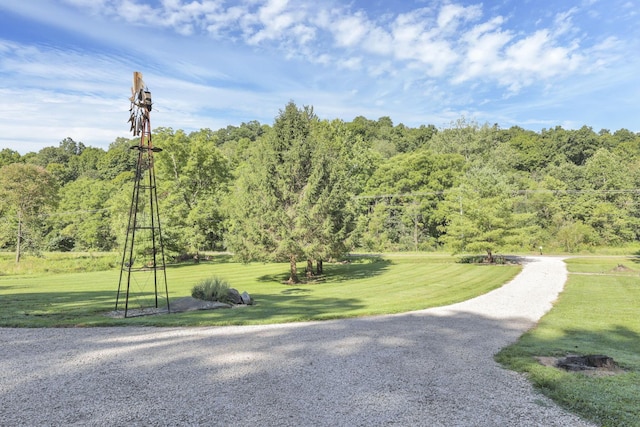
(143, 270)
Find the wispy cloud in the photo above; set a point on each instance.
(444, 39)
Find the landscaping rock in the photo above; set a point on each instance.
(246, 298)
(234, 296)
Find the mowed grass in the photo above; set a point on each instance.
(362, 286)
(597, 313)
(58, 262)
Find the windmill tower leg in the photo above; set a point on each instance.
(143, 268)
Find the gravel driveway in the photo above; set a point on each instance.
(428, 368)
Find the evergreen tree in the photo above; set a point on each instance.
(291, 200)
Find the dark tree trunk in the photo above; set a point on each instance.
(319, 267)
(18, 243)
(309, 269)
(293, 276)
(489, 257)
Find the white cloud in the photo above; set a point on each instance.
(515, 61)
(379, 42)
(350, 30)
(537, 56)
(218, 22)
(274, 20)
(95, 6)
(563, 22)
(451, 15)
(484, 44)
(415, 42)
(133, 12)
(410, 27)
(354, 63)
(607, 52)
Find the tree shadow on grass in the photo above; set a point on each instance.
(46, 309)
(351, 268)
(359, 268)
(294, 304)
(617, 340)
(635, 258)
(69, 309)
(204, 260)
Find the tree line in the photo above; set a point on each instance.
(306, 189)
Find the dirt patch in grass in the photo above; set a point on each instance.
(621, 268)
(596, 365)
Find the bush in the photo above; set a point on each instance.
(211, 289)
(60, 244)
(482, 259)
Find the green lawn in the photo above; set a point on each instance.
(598, 313)
(58, 262)
(363, 286)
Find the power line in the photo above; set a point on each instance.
(76, 212)
(393, 195)
(442, 192)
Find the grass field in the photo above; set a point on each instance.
(361, 287)
(598, 313)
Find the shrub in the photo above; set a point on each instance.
(482, 259)
(60, 244)
(211, 289)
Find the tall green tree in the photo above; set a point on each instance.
(575, 145)
(85, 165)
(610, 211)
(264, 210)
(8, 156)
(326, 210)
(26, 191)
(480, 216)
(118, 159)
(404, 193)
(58, 160)
(467, 138)
(194, 177)
(292, 195)
(83, 218)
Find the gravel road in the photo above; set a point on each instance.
(428, 368)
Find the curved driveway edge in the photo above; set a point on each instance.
(428, 368)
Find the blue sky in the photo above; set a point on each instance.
(66, 65)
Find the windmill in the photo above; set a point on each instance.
(143, 269)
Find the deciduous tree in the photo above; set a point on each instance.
(25, 192)
(194, 177)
